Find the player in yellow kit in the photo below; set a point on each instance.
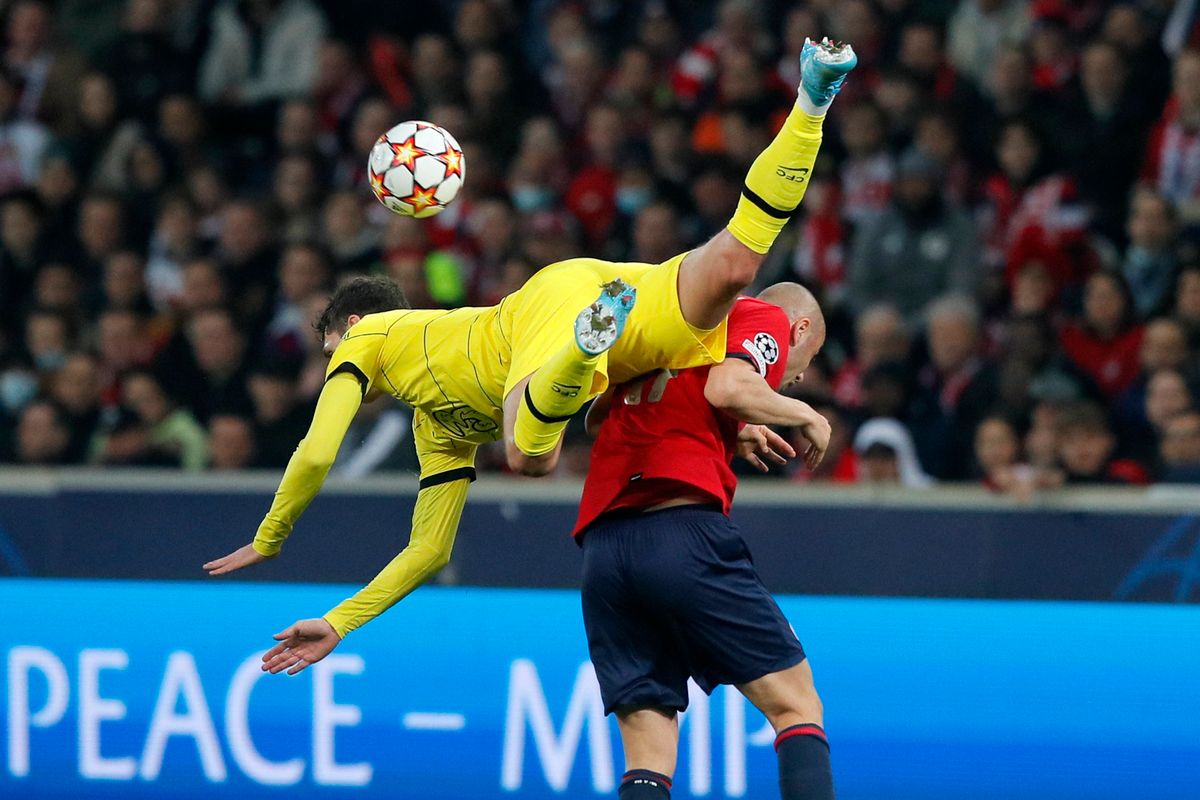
(514, 372)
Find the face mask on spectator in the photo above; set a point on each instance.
(633, 199)
(49, 362)
(16, 390)
(531, 198)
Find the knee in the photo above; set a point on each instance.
(738, 263)
(530, 466)
(799, 708)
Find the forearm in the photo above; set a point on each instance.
(753, 401)
(435, 523)
(310, 463)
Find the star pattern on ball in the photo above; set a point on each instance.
(405, 153)
(453, 160)
(421, 199)
(376, 181)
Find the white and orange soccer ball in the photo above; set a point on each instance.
(416, 169)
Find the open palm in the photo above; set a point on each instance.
(302, 643)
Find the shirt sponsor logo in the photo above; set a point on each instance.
(464, 420)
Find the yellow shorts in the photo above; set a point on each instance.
(540, 319)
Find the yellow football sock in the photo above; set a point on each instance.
(777, 180)
(557, 390)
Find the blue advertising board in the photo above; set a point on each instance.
(143, 689)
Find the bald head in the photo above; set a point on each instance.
(797, 302)
(806, 321)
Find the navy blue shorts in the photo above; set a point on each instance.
(672, 595)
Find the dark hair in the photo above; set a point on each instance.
(360, 296)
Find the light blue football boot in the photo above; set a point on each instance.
(823, 68)
(598, 326)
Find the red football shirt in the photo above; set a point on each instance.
(661, 436)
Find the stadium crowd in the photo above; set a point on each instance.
(1004, 223)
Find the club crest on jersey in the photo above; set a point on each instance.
(464, 420)
(763, 349)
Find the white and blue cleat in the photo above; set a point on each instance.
(823, 69)
(598, 326)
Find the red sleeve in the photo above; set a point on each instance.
(759, 333)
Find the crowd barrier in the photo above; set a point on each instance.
(1107, 545)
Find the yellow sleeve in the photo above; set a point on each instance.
(445, 476)
(358, 352)
(308, 466)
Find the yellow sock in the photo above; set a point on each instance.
(777, 180)
(556, 391)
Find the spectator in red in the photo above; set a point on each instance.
(1173, 156)
(1029, 211)
(869, 170)
(879, 337)
(1105, 343)
(1086, 447)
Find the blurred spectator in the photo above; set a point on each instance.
(1106, 341)
(280, 419)
(1100, 116)
(1164, 347)
(979, 28)
(869, 170)
(958, 384)
(998, 461)
(1187, 303)
(231, 443)
(174, 241)
(218, 348)
(1172, 165)
(1030, 212)
(1150, 264)
(48, 70)
(1179, 451)
(158, 432)
(76, 390)
(1086, 444)
(919, 248)
(886, 455)
(25, 140)
(261, 51)
(879, 337)
(144, 58)
(43, 437)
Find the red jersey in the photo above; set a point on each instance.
(661, 436)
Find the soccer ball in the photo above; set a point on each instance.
(416, 169)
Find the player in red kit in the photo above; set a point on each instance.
(669, 590)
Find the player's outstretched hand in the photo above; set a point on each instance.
(300, 644)
(758, 444)
(242, 557)
(817, 432)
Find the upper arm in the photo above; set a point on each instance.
(358, 354)
(336, 407)
(728, 381)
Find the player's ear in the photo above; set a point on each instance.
(352, 320)
(799, 327)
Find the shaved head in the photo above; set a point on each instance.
(806, 321)
(797, 302)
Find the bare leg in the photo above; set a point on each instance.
(712, 276)
(786, 698)
(650, 737)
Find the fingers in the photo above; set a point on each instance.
(776, 458)
(286, 633)
(780, 444)
(757, 463)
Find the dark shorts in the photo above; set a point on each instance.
(672, 595)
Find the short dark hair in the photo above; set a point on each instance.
(360, 296)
